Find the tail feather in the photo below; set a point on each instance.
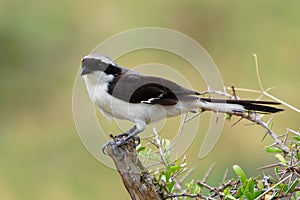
(251, 105)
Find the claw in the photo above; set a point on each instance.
(123, 140)
(105, 146)
(103, 149)
(138, 139)
(122, 135)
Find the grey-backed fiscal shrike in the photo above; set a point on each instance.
(125, 94)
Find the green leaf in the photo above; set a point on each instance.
(257, 193)
(168, 173)
(228, 116)
(184, 159)
(285, 188)
(273, 150)
(292, 186)
(297, 138)
(271, 125)
(170, 185)
(240, 173)
(166, 146)
(249, 195)
(229, 196)
(141, 149)
(166, 143)
(191, 186)
(281, 158)
(239, 192)
(145, 152)
(175, 168)
(251, 186)
(260, 185)
(276, 171)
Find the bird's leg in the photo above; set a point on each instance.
(140, 125)
(123, 137)
(137, 138)
(131, 133)
(126, 133)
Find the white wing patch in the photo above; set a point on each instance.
(149, 101)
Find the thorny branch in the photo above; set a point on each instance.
(289, 170)
(253, 117)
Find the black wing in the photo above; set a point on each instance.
(136, 88)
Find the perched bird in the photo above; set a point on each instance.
(125, 94)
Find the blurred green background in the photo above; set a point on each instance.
(42, 42)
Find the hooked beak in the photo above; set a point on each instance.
(84, 71)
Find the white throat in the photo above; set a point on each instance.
(97, 81)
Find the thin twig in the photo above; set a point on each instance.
(285, 138)
(256, 119)
(209, 171)
(183, 121)
(187, 195)
(186, 174)
(234, 93)
(257, 72)
(235, 123)
(271, 188)
(269, 166)
(203, 184)
(161, 152)
(292, 131)
(268, 95)
(192, 117)
(225, 175)
(282, 102)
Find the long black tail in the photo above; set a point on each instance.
(251, 105)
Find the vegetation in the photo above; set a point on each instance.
(283, 180)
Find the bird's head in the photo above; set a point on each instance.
(97, 64)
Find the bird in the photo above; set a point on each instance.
(125, 94)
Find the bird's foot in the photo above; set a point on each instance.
(105, 146)
(120, 140)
